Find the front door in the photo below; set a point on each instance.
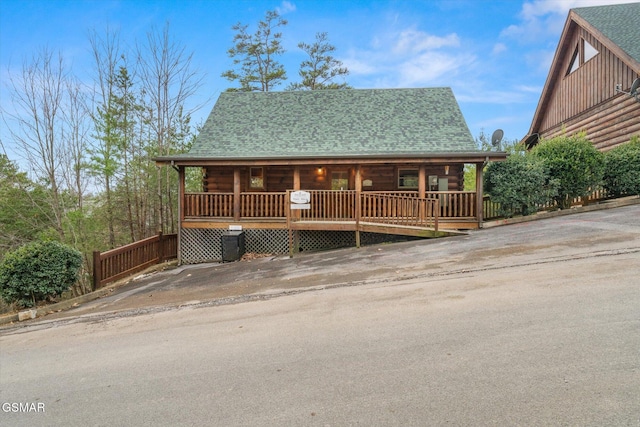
(340, 206)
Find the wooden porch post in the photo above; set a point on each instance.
(294, 235)
(479, 203)
(181, 196)
(296, 178)
(422, 192)
(236, 194)
(97, 270)
(422, 182)
(358, 203)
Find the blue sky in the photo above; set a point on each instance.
(495, 55)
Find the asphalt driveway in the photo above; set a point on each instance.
(532, 324)
(526, 243)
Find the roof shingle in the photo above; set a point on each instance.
(620, 23)
(333, 123)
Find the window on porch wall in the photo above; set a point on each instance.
(407, 179)
(256, 179)
(339, 180)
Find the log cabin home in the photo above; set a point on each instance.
(596, 62)
(363, 165)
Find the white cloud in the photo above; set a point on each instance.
(430, 67)
(540, 19)
(358, 66)
(540, 60)
(536, 8)
(409, 58)
(286, 7)
(534, 29)
(500, 97)
(413, 41)
(498, 48)
(529, 89)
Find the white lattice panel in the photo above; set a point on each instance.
(204, 245)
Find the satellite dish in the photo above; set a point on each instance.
(634, 87)
(496, 138)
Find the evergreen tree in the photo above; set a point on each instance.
(321, 68)
(256, 56)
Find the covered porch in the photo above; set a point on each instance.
(412, 197)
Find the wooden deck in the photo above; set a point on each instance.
(402, 213)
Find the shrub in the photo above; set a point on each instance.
(574, 162)
(622, 169)
(520, 183)
(38, 271)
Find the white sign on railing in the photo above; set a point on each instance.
(300, 200)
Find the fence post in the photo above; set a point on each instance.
(160, 247)
(97, 270)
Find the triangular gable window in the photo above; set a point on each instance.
(575, 61)
(589, 51)
(583, 52)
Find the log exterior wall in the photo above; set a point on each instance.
(586, 99)
(280, 178)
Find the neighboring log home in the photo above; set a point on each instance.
(372, 163)
(599, 49)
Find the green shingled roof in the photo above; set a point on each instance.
(330, 123)
(620, 23)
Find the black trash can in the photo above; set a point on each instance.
(232, 245)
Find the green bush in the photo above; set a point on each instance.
(38, 271)
(519, 184)
(574, 162)
(622, 169)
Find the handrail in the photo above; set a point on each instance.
(400, 210)
(129, 259)
(325, 205)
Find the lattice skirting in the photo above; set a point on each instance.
(198, 245)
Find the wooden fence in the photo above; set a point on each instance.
(126, 260)
(492, 209)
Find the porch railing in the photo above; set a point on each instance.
(127, 260)
(400, 209)
(455, 204)
(262, 205)
(201, 205)
(327, 205)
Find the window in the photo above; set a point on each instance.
(575, 61)
(589, 51)
(256, 178)
(583, 52)
(339, 180)
(407, 178)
